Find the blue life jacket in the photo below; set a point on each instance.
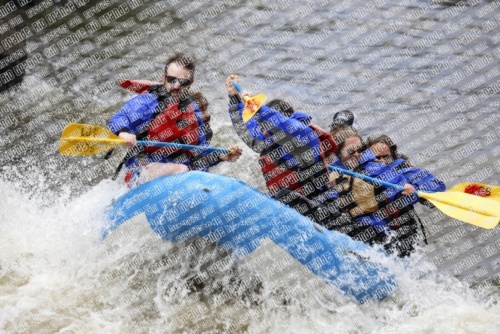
(385, 214)
(395, 214)
(420, 178)
(300, 165)
(291, 132)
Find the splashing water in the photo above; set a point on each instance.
(56, 275)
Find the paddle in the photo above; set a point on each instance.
(252, 104)
(475, 210)
(83, 139)
(478, 189)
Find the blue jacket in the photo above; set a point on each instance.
(289, 143)
(420, 178)
(395, 173)
(292, 133)
(134, 117)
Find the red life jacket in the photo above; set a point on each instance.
(328, 145)
(279, 177)
(171, 125)
(138, 86)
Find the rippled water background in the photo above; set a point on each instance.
(323, 56)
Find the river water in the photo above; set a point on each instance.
(424, 72)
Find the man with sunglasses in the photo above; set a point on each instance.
(165, 113)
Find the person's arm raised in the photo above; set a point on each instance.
(248, 132)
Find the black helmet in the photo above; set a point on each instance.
(344, 117)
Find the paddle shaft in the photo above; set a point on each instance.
(238, 87)
(153, 143)
(429, 196)
(367, 178)
(240, 90)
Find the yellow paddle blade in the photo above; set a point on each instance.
(478, 189)
(475, 210)
(252, 105)
(84, 139)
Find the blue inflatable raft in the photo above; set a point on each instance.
(198, 206)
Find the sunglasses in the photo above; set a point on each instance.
(351, 151)
(182, 82)
(385, 159)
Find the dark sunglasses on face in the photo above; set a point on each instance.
(182, 82)
(385, 159)
(351, 151)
